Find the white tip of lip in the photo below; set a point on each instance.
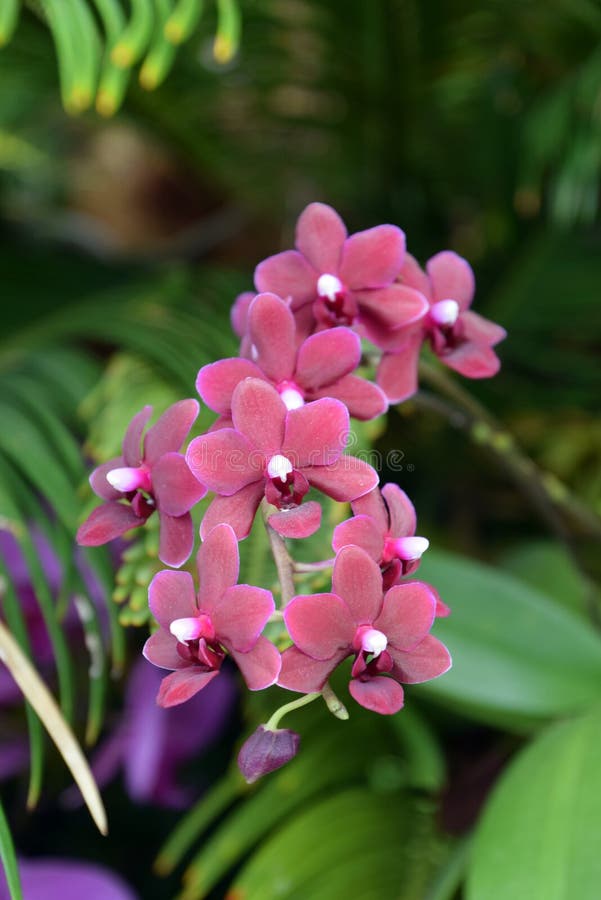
(292, 398)
(125, 479)
(329, 286)
(411, 547)
(279, 467)
(374, 641)
(187, 629)
(445, 312)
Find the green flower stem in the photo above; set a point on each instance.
(313, 567)
(283, 561)
(336, 706)
(279, 714)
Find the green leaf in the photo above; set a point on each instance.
(539, 835)
(548, 566)
(518, 657)
(9, 858)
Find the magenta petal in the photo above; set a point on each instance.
(345, 480)
(240, 615)
(363, 399)
(316, 433)
(395, 306)
(299, 522)
(372, 258)
(373, 505)
(180, 686)
(239, 312)
(171, 596)
(482, 331)
(397, 372)
(106, 522)
(259, 414)
(175, 488)
(70, 879)
(326, 357)
(426, 661)
(358, 580)
(361, 531)
(161, 650)
(473, 360)
(407, 614)
(403, 520)
(451, 278)
(224, 460)
(176, 539)
(218, 565)
(273, 332)
(238, 510)
(381, 695)
(260, 667)
(301, 673)
(98, 481)
(132, 442)
(287, 274)
(414, 276)
(320, 625)
(171, 430)
(320, 235)
(216, 382)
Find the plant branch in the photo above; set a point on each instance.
(283, 561)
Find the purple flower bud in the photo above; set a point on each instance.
(267, 750)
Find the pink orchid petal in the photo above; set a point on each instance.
(107, 522)
(480, 330)
(451, 278)
(218, 566)
(132, 442)
(216, 382)
(238, 510)
(363, 532)
(396, 306)
(260, 667)
(358, 580)
(316, 433)
(183, 684)
(100, 485)
(363, 399)
(401, 511)
(407, 614)
(287, 274)
(224, 460)
(259, 414)
(372, 258)
(303, 674)
(300, 522)
(240, 615)
(414, 276)
(326, 357)
(175, 488)
(397, 372)
(373, 505)
(161, 649)
(344, 480)
(473, 360)
(68, 879)
(272, 330)
(305, 322)
(320, 625)
(320, 235)
(171, 596)
(426, 661)
(381, 695)
(239, 312)
(176, 539)
(170, 430)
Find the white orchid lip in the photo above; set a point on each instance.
(409, 548)
(187, 629)
(291, 396)
(127, 479)
(279, 467)
(329, 286)
(374, 641)
(445, 312)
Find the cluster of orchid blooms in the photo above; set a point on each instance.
(283, 409)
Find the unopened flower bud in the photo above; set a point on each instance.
(267, 750)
